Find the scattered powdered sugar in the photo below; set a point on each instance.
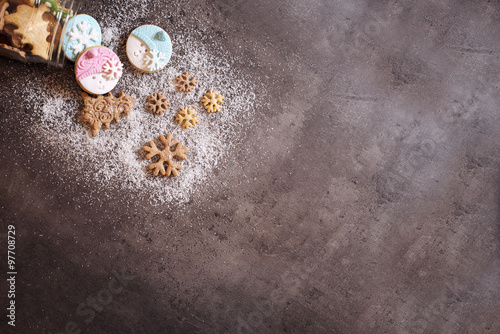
(114, 160)
(109, 37)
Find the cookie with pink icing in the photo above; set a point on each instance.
(97, 70)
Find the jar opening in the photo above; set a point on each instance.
(67, 10)
(34, 31)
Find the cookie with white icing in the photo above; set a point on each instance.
(82, 32)
(149, 48)
(97, 70)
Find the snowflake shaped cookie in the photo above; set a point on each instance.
(212, 101)
(187, 117)
(155, 60)
(166, 156)
(113, 69)
(185, 82)
(158, 103)
(83, 36)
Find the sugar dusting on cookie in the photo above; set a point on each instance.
(114, 160)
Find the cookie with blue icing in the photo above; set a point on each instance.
(82, 32)
(149, 48)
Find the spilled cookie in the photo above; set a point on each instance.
(149, 48)
(101, 110)
(212, 101)
(187, 117)
(185, 82)
(157, 103)
(172, 149)
(98, 69)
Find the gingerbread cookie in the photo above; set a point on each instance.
(171, 149)
(31, 29)
(212, 101)
(185, 82)
(82, 32)
(123, 104)
(97, 112)
(102, 110)
(158, 103)
(149, 48)
(187, 117)
(98, 70)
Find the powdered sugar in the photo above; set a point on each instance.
(114, 159)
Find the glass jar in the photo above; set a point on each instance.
(32, 30)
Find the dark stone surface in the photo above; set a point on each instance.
(374, 201)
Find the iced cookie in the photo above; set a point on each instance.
(83, 32)
(97, 70)
(149, 48)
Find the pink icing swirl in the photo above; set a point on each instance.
(92, 61)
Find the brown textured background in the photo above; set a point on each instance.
(373, 203)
